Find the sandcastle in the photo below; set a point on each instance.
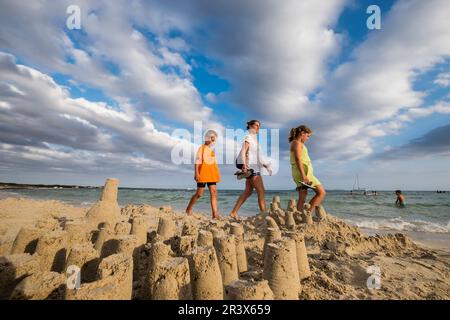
(137, 253)
(40, 255)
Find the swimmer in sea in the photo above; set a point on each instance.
(400, 199)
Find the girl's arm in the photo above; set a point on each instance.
(197, 172)
(298, 147)
(244, 151)
(198, 163)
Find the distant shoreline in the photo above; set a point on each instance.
(8, 185)
(11, 185)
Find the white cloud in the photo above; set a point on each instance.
(50, 125)
(373, 94)
(108, 35)
(274, 54)
(443, 79)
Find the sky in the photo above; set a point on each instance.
(109, 99)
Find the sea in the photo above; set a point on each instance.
(425, 211)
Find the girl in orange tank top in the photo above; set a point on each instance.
(206, 173)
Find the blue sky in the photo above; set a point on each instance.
(78, 106)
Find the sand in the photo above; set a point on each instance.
(146, 252)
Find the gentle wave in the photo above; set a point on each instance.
(398, 224)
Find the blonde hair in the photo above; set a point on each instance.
(210, 133)
(295, 132)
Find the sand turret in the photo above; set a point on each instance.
(290, 222)
(106, 209)
(272, 234)
(271, 223)
(276, 199)
(206, 278)
(172, 280)
(280, 269)
(26, 240)
(301, 254)
(292, 205)
(52, 251)
(237, 230)
(248, 290)
(226, 255)
(321, 214)
(122, 228)
(205, 238)
(115, 281)
(166, 228)
(139, 228)
(86, 258)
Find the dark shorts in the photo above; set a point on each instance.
(203, 184)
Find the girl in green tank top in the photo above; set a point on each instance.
(302, 169)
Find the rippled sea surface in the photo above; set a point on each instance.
(425, 211)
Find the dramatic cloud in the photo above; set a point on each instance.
(114, 56)
(273, 54)
(367, 96)
(434, 143)
(40, 122)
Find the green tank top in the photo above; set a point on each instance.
(304, 158)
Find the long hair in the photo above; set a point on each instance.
(295, 132)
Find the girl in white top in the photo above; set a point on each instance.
(250, 158)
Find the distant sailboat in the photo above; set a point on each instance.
(358, 190)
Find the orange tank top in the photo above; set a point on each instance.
(208, 171)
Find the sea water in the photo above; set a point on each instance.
(425, 211)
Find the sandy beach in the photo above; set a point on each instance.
(148, 252)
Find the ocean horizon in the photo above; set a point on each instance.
(425, 211)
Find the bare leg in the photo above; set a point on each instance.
(301, 199)
(258, 184)
(213, 194)
(317, 199)
(244, 196)
(194, 199)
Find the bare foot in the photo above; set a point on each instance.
(189, 213)
(217, 216)
(234, 216)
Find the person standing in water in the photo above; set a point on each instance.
(206, 173)
(302, 170)
(250, 158)
(400, 199)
